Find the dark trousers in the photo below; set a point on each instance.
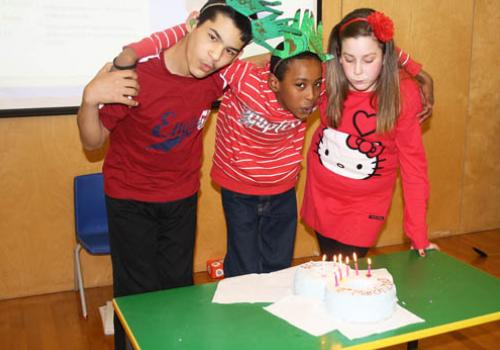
(151, 247)
(330, 247)
(260, 232)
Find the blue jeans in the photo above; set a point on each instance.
(260, 232)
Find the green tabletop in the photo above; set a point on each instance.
(447, 293)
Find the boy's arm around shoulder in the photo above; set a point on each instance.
(427, 93)
(153, 44)
(425, 82)
(105, 87)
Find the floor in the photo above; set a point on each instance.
(53, 321)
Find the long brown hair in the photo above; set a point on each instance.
(386, 99)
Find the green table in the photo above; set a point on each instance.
(446, 292)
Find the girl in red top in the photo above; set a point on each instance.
(369, 130)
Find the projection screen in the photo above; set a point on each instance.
(51, 48)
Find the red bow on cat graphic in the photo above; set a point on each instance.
(371, 149)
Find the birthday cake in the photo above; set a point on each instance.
(352, 296)
(311, 278)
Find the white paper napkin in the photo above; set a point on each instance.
(310, 315)
(255, 288)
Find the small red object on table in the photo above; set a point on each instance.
(215, 268)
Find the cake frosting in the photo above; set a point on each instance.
(312, 278)
(356, 298)
(362, 299)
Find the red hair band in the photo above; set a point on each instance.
(382, 26)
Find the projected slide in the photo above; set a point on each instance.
(52, 48)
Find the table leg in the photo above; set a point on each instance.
(412, 345)
(128, 344)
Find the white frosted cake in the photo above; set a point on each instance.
(311, 278)
(356, 298)
(362, 299)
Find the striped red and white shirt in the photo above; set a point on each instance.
(258, 144)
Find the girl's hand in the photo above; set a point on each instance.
(431, 245)
(192, 20)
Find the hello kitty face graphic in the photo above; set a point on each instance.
(348, 155)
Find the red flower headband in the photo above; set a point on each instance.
(382, 26)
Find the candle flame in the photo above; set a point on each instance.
(355, 257)
(335, 258)
(340, 258)
(347, 260)
(324, 257)
(369, 261)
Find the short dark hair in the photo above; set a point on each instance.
(279, 66)
(212, 8)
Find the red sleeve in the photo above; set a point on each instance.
(159, 41)
(413, 166)
(409, 65)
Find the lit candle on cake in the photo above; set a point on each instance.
(340, 272)
(369, 274)
(323, 263)
(347, 267)
(336, 279)
(355, 257)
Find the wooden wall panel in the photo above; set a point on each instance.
(40, 156)
(211, 230)
(481, 188)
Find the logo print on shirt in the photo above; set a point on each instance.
(203, 118)
(348, 155)
(177, 132)
(250, 119)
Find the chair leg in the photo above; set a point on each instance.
(75, 269)
(79, 277)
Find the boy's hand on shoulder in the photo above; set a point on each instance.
(427, 93)
(112, 87)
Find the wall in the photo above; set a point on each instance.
(41, 155)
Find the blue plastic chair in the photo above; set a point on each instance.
(91, 224)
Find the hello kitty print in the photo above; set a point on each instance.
(351, 156)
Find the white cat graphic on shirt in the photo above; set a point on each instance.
(348, 155)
